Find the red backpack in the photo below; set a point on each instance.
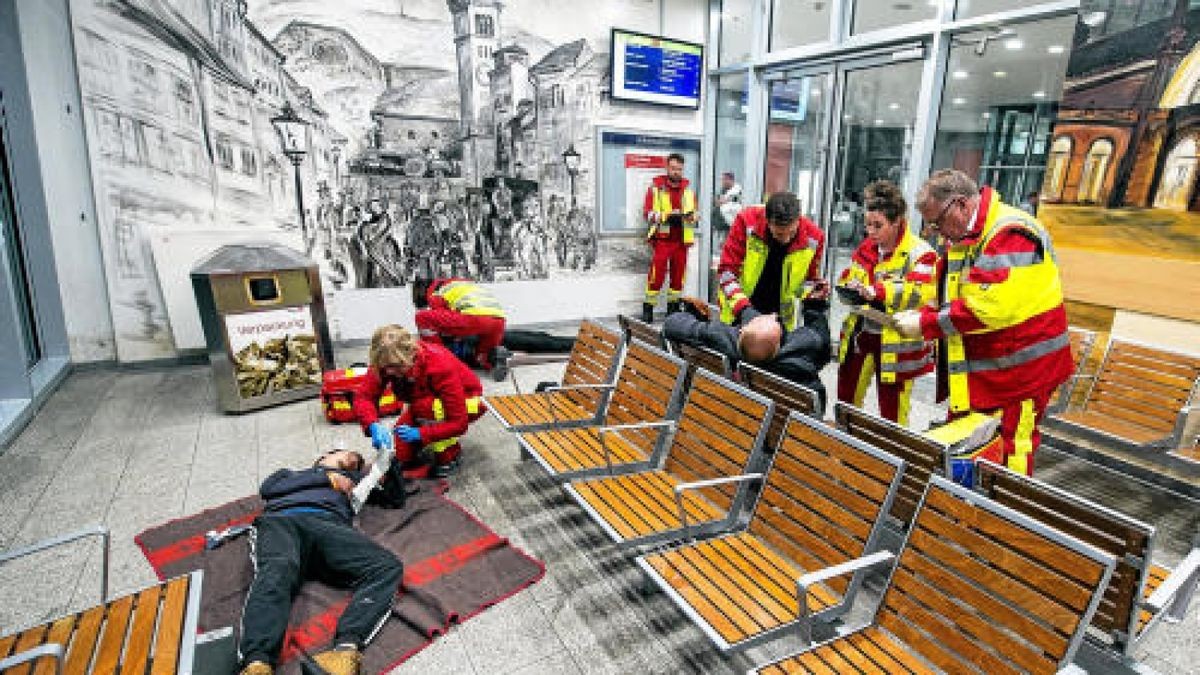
(338, 388)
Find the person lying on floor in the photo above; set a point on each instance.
(306, 531)
(797, 355)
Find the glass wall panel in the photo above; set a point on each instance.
(1100, 18)
(729, 157)
(1000, 97)
(970, 8)
(14, 252)
(795, 138)
(799, 22)
(872, 15)
(737, 31)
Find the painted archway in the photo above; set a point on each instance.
(1185, 82)
(1095, 166)
(1178, 180)
(1057, 166)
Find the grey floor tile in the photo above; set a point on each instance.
(561, 663)
(511, 634)
(446, 656)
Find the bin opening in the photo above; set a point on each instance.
(263, 290)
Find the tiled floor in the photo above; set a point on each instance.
(132, 449)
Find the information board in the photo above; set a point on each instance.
(653, 69)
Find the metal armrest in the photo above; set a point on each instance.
(93, 531)
(807, 581)
(33, 654)
(1176, 591)
(616, 429)
(571, 387)
(696, 485)
(1181, 426)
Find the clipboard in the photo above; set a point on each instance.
(879, 317)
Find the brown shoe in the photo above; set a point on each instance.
(258, 668)
(341, 661)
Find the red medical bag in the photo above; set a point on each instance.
(339, 387)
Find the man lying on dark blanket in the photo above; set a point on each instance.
(761, 339)
(307, 531)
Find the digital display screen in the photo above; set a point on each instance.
(652, 69)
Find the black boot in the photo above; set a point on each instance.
(672, 307)
(647, 312)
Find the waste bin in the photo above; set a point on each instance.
(264, 323)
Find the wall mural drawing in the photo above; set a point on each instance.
(440, 136)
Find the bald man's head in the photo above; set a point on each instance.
(760, 339)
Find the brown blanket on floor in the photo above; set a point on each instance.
(454, 568)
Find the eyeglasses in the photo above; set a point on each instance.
(936, 223)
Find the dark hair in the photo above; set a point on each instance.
(885, 197)
(676, 157)
(783, 208)
(728, 173)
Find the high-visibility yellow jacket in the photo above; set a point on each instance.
(660, 200)
(745, 255)
(904, 280)
(464, 297)
(1001, 316)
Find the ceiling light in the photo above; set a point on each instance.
(1094, 19)
(1056, 49)
(960, 74)
(878, 122)
(959, 101)
(1014, 44)
(894, 106)
(986, 115)
(1039, 94)
(1000, 73)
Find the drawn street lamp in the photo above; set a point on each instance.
(293, 135)
(571, 159)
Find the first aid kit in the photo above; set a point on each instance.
(339, 387)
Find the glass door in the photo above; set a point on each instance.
(797, 129)
(14, 254)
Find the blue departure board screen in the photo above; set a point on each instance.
(652, 69)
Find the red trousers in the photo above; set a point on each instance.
(670, 257)
(423, 411)
(1019, 423)
(860, 368)
(432, 324)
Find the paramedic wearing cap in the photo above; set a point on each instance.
(1001, 320)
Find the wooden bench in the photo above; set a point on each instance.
(152, 631)
(1141, 397)
(637, 421)
(580, 398)
(789, 397)
(702, 358)
(978, 587)
(923, 457)
(705, 481)
(1130, 608)
(1082, 341)
(636, 329)
(824, 500)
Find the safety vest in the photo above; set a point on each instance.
(664, 208)
(1022, 315)
(791, 286)
(900, 357)
(470, 299)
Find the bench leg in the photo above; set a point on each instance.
(525, 454)
(647, 587)
(1179, 605)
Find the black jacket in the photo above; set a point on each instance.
(802, 354)
(287, 488)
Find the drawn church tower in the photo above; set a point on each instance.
(476, 38)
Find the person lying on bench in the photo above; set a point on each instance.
(306, 531)
(797, 355)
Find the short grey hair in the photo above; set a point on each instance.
(944, 185)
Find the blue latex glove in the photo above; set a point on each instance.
(381, 436)
(408, 434)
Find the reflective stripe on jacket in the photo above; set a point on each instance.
(903, 281)
(745, 255)
(1001, 315)
(468, 298)
(660, 201)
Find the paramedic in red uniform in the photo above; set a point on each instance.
(1001, 320)
(892, 270)
(670, 211)
(442, 393)
(457, 308)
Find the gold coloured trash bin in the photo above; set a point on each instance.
(264, 323)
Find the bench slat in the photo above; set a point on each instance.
(1104, 423)
(169, 636)
(113, 637)
(1175, 359)
(60, 633)
(935, 635)
(29, 639)
(6, 645)
(83, 645)
(141, 632)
